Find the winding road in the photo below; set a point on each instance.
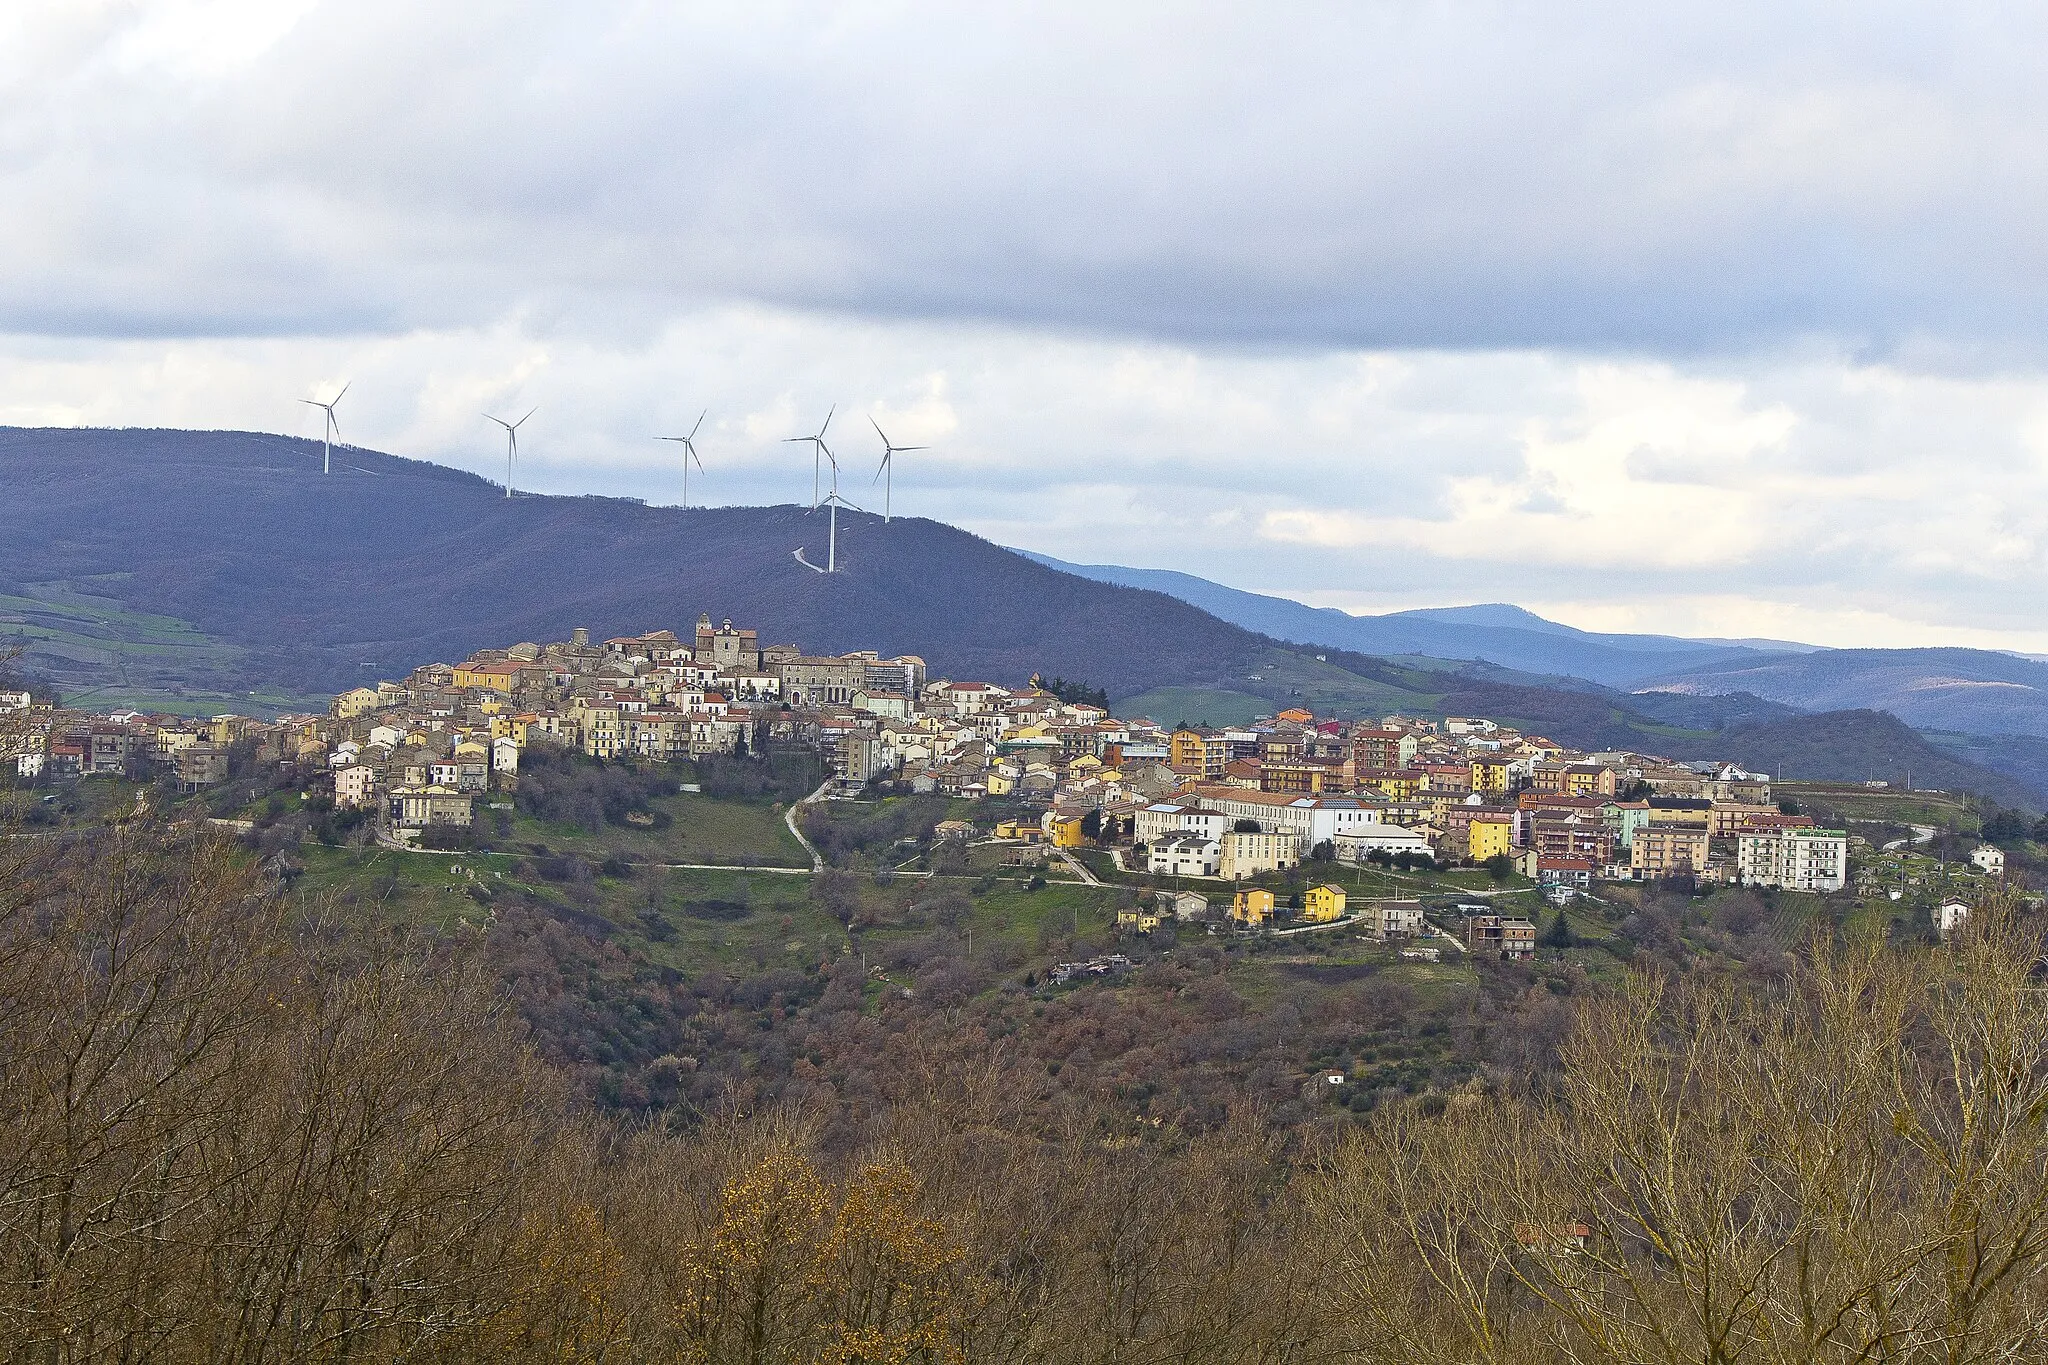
(789, 818)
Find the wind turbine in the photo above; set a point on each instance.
(511, 442)
(689, 444)
(330, 431)
(888, 466)
(832, 502)
(819, 453)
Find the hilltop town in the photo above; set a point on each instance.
(412, 758)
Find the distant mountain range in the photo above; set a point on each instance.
(1496, 632)
(211, 571)
(1977, 691)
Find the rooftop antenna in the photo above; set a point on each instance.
(819, 453)
(832, 502)
(511, 443)
(888, 466)
(689, 445)
(330, 431)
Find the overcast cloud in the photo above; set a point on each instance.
(1724, 321)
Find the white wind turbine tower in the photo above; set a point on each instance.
(888, 466)
(330, 431)
(832, 502)
(689, 444)
(819, 453)
(511, 442)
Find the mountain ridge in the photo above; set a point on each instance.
(1439, 632)
(235, 562)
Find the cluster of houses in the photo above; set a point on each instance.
(1269, 796)
(1188, 801)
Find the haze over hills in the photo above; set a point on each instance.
(1495, 632)
(1977, 691)
(158, 567)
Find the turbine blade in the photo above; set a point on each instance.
(900, 449)
(337, 398)
(700, 422)
(879, 432)
(828, 421)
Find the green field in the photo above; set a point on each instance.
(1196, 706)
(102, 656)
(703, 831)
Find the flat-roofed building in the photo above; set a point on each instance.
(1795, 859)
(1661, 850)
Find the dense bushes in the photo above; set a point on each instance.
(776, 774)
(844, 831)
(562, 787)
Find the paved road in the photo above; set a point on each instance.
(1080, 868)
(789, 818)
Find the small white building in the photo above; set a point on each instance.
(1353, 847)
(1989, 859)
(1951, 915)
(505, 754)
(29, 765)
(1183, 853)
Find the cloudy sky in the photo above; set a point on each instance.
(1720, 320)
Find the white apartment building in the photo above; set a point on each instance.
(1796, 859)
(1310, 820)
(1170, 817)
(1183, 853)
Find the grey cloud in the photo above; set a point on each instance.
(1594, 176)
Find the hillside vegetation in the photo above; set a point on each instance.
(234, 1131)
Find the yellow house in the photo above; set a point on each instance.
(1063, 831)
(1252, 907)
(1490, 774)
(499, 676)
(1400, 785)
(1587, 780)
(1143, 919)
(1487, 836)
(1019, 829)
(1085, 765)
(999, 784)
(1323, 904)
(359, 701)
